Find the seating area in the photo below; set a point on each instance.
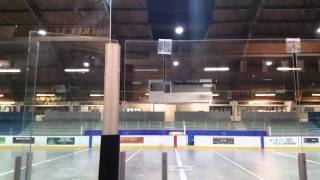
(75, 123)
(12, 123)
(203, 120)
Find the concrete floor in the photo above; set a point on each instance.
(146, 164)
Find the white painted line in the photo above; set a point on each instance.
(133, 155)
(46, 161)
(294, 157)
(182, 172)
(238, 165)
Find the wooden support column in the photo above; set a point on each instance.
(110, 140)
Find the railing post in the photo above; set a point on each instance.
(164, 166)
(17, 168)
(302, 166)
(122, 167)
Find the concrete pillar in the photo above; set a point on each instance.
(110, 140)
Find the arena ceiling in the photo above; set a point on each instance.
(131, 20)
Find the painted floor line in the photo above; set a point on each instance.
(182, 172)
(238, 165)
(294, 157)
(133, 155)
(46, 161)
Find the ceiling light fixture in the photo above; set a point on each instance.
(316, 95)
(288, 69)
(1, 95)
(136, 82)
(318, 30)
(96, 95)
(179, 30)
(86, 64)
(215, 95)
(266, 95)
(76, 70)
(7, 102)
(10, 70)
(269, 63)
(45, 95)
(176, 63)
(205, 80)
(208, 69)
(146, 70)
(42, 32)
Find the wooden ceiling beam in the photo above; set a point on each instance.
(34, 11)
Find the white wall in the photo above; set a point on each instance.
(145, 107)
(42, 141)
(83, 141)
(181, 97)
(168, 109)
(194, 107)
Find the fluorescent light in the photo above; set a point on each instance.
(318, 30)
(216, 69)
(1, 95)
(146, 70)
(215, 95)
(317, 95)
(207, 85)
(136, 82)
(206, 80)
(86, 64)
(42, 32)
(175, 63)
(147, 94)
(288, 69)
(269, 63)
(96, 95)
(266, 95)
(45, 95)
(76, 70)
(179, 30)
(10, 70)
(7, 102)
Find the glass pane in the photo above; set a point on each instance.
(238, 94)
(15, 121)
(308, 95)
(67, 103)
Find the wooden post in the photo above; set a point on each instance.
(110, 140)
